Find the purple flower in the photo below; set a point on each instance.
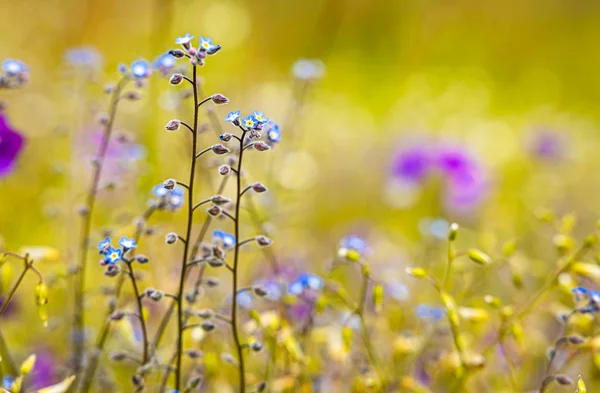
(44, 369)
(412, 164)
(11, 143)
(547, 145)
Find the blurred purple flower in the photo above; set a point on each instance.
(412, 164)
(11, 143)
(44, 369)
(547, 145)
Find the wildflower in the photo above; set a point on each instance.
(165, 63)
(127, 243)
(122, 68)
(273, 132)
(185, 40)
(260, 117)
(308, 69)
(207, 46)
(244, 300)
(305, 281)
(113, 255)
(141, 69)
(11, 144)
(353, 248)
(233, 117)
(14, 67)
(249, 122)
(104, 246)
(84, 57)
(425, 311)
(411, 164)
(227, 240)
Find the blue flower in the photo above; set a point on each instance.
(249, 122)
(425, 311)
(165, 63)
(305, 281)
(7, 383)
(14, 67)
(260, 117)
(233, 116)
(185, 40)
(273, 132)
(141, 69)
(84, 56)
(207, 46)
(244, 300)
(122, 68)
(174, 197)
(113, 255)
(127, 243)
(224, 238)
(104, 245)
(354, 243)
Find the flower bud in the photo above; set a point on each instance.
(215, 211)
(259, 290)
(263, 240)
(216, 262)
(219, 149)
(205, 313)
(27, 365)
(41, 294)
(171, 238)
(173, 125)
(211, 282)
(220, 200)
(207, 326)
(193, 383)
(228, 358)
(194, 353)
(219, 99)
(132, 96)
(177, 53)
(575, 340)
(581, 388)
(169, 184)
(224, 170)
(225, 137)
(479, 257)
(142, 259)
(118, 356)
(137, 380)
(176, 79)
(261, 146)
(117, 315)
(261, 387)
(112, 270)
(416, 272)
(378, 295)
(157, 295)
(453, 232)
(256, 346)
(563, 380)
(259, 187)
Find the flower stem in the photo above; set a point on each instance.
(136, 292)
(98, 164)
(190, 216)
(14, 289)
(234, 327)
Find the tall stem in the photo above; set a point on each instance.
(98, 164)
(14, 289)
(188, 234)
(234, 328)
(136, 293)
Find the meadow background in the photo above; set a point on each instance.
(495, 80)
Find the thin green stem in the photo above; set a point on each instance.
(14, 289)
(98, 164)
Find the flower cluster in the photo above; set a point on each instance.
(171, 199)
(15, 75)
(112, 255)
(304, 282)
(197, 55)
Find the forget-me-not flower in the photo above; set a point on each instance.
(127, 243)
(141, 69)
